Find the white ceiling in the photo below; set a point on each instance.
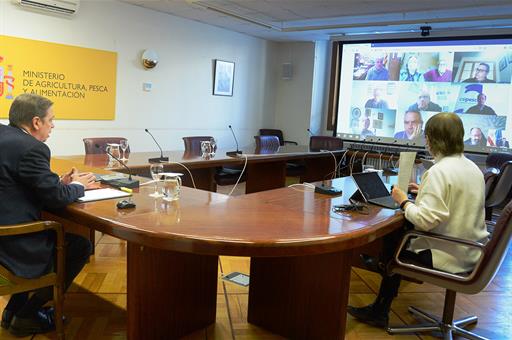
(308, 20)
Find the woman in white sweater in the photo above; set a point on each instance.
(450, 202)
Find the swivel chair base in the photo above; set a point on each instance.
(435, 324)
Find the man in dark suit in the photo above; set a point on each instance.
(27, 185)
(476, 138)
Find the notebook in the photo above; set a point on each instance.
(372, 190)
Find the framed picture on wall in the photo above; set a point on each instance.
(223, 76)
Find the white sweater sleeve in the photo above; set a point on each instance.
(430, 209)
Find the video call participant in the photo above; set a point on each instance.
(477, 137)
(376, 102)
(378, 71)
(366, 128)
(410, 71)
(481, 108)
(441, 73)
(502, 143)
(424, 104)
(481, 73)
(27, 185)
(450, 202)
(413, 124)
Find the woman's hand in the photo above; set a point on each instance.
(398, 195)
(413, 188)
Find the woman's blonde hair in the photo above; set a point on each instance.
(445, 133)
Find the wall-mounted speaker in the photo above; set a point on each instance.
(287, 71)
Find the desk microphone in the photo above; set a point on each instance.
(157, 159)
(127, 183)
(237, 152)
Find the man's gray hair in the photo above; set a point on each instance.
(27, 106)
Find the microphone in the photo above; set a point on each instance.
(157, 159)
(237, 152)
(310, 133)
(123, 182)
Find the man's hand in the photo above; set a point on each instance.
(398, 195)
(67, 178)
(417, 131)
(86, 178)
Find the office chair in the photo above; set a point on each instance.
(266, 144)
(495, 160)
(226, 175)
(492, 255)
(279, 134)
(317, 143)
(499, 188)
(12, 284)
(90, 144)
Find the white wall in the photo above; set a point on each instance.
(293, 97)
(181, 102)
(320, 91)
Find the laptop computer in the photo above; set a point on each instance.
(372, 190)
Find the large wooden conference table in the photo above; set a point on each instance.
(265, 169)
(300, 253)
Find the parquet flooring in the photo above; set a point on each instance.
(96, 303)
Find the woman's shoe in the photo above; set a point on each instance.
(41, 322)
(7, 316)
(369, 315)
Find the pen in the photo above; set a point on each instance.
(128, 190)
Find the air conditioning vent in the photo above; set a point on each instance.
(57, 6)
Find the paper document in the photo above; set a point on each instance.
(162, 174)
(102, 194)
(406, 163)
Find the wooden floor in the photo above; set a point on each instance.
(96, 303)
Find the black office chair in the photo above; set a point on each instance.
(293, 169)
(266, 144)
(279, 134)
(492, 255)
(495, 160)
(498, 189)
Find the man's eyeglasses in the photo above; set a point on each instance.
(482, 70)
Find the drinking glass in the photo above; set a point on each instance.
(156, 170)
(172, 187)
(113, 152)
(213, 143)
(206, 149)
(124, 146)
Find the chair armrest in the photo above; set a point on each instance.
(444, 238)
(290, 142)
(32, 227)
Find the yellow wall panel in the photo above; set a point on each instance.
(80, 81)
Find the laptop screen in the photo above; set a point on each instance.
(370, 185)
